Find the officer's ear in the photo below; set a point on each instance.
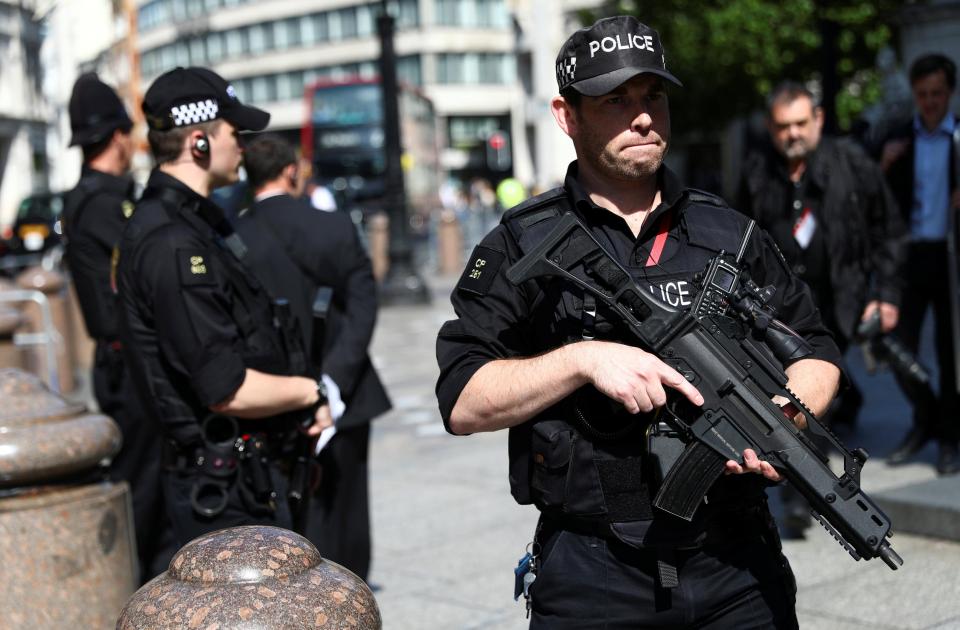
(565, 114)
(199, 144)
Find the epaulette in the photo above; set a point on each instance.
(535, 212)
(695, 195)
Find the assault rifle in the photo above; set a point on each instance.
(726, 346)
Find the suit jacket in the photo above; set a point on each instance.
(293, 250)
(900, 173)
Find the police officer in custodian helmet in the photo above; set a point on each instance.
(94, 215)
(208, 348)
(544, 362)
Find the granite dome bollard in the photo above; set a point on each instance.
(66, 536)
(252, 577)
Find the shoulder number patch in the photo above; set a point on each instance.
(193, 266)
(481, 270)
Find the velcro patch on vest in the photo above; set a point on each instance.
(481, 270)
(194, 268)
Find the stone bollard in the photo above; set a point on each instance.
(449, 244)
(378, 237)
(53, 285)
(252, 577)
(67, 556)
(10, 320)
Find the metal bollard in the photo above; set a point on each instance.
(378, 236)
(66, 535)
(449, 244)
(252, 577)
(53, 285)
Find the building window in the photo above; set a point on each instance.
(474, 68)
(473, 13)
(257, 39)
(234, 44)
(365, 20)
(308, 31)
(215, 46)
(409, 70)
(198, 54)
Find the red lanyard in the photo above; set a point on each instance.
(663, 226)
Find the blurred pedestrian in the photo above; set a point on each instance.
(294, 250)
(213, 358)
(920, 159)
(94, 216)
(825, 203)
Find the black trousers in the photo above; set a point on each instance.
(240, 510)
(338, 519)
(588, 582)
(138, 462)
(928, 287)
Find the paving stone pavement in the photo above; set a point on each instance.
(447, 533)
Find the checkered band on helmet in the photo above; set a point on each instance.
(566, 71)
(193, 113)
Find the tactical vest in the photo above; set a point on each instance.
(584, 458)
(265, 345)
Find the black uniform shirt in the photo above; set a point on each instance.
(497, 320)
(94, 216)
(193, 319)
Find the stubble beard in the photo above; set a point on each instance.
(610, 162)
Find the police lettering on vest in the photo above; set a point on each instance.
(609, 44)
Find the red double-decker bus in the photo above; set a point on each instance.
(343, 138)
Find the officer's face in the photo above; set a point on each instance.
(931, 95)
(795, 127)
(226, 154)
(623, 134)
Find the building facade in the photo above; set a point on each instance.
(23, 108)
(487, 65)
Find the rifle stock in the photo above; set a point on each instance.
(737, 376)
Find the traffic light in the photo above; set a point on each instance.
(498, 151)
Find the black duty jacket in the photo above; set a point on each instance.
(294, 249)
(94, 215)
(865, 235)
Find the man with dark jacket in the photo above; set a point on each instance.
(294, 250)
(824, 202)
(94, 216)
(920, 161)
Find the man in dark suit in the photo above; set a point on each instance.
(294, 250)
(920, 161)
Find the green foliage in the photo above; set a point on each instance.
(730, 53)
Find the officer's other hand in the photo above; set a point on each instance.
(632, 377)
(322, 419)
(889, 314)
(752, 464)
(955, 199)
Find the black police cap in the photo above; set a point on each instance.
(189, 96)
(595, 60)
(95, 111)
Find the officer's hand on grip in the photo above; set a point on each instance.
(752, 464)
(633, 377)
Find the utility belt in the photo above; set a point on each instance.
(228, 458)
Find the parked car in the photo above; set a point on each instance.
(35, 230)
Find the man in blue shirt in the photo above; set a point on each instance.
(920, 161)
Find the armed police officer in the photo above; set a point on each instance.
(543, 360)
(94, 216)
(207, 345)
